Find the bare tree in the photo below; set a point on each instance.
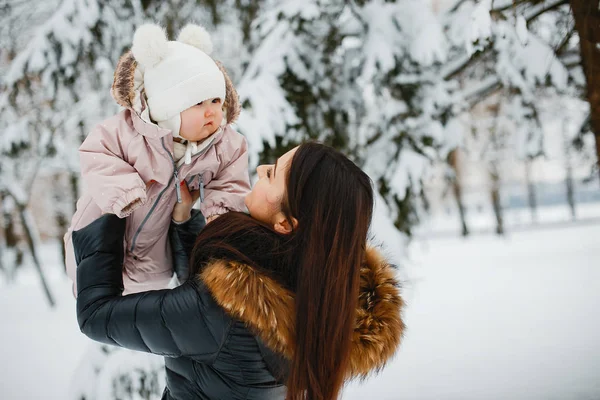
(453, 161)
(531, 195)
(566, 143)
(21, 201)
(494, 169)
(587, 23)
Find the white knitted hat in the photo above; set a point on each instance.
(177, 74)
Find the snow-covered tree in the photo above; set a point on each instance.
(387, 82)
(348, 74)
(509, 55)
(586, 14)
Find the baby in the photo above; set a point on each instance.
(172, 132)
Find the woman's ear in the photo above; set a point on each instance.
(283, 226)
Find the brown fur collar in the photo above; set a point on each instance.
(124, 87)
(268, 309)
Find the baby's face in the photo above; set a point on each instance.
(202, 120)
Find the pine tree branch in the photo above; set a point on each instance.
(481, 91)
(454, 68)
(565, 41)
(459, 65)
(503, 5)
(497, 5)
(456, 6)
(571, 59)
(353, 8)
(532, 13)
(585, 124)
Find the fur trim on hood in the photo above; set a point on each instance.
(128, 86)
(268, 309)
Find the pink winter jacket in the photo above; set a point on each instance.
(128, 169)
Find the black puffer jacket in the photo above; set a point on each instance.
(226, 333)
(208, 354)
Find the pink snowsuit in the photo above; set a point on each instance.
(128, 157)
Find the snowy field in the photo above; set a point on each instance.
(488, 318)
(516, 219)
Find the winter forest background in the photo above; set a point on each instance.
(476, 119)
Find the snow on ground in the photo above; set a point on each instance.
(515, 219)
(39, 347)
(487, 318)
(490, 318)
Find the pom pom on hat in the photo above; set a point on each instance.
(196, 36)
(150, 45)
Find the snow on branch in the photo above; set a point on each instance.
(481, 90)
(532, 13)
(455, 67)
(69, 26)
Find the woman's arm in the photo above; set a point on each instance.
(182, 237)
(185, 226)
(182, 321)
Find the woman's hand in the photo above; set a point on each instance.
(182, 211)
(211, 218)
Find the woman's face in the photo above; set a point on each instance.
(265, 200)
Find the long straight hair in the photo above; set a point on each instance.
(332, 200)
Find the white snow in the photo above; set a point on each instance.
(487, 318)
(481, 28)
(498, 319)
(521, 29)
(40, 348)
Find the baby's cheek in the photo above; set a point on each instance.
(219, 118)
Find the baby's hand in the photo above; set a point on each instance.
(182, 211)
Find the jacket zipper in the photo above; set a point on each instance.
(174, 177)
(201, 185)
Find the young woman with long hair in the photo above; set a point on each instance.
(287, 302)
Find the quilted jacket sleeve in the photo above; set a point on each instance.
(228, 189)
(181, 322)
(182, 237)
(114, 184)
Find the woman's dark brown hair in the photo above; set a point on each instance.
(332, 200)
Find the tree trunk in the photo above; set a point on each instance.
(531, 197)
(64, 211)
(32, 241)
(587, 23)
(569, 181)
(457, 189)
(495, 171)
(11, 240)
(496, 203)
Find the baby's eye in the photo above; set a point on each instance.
(269, 172)
(199, 104)
(216, 101)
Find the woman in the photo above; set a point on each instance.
(285, 303)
